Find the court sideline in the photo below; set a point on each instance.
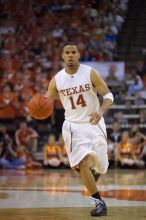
(57, 194)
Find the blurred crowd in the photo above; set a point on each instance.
(129, 94)
(18, 152)
(32, 34)
(126, 148)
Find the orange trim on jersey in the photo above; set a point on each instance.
(102, 132)
(71, 139)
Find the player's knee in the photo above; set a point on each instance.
(103, 169)
(84, 164)
(76, 168)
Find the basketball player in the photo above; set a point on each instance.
(84, 130)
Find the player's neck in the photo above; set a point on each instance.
(72, 69)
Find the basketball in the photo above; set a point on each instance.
(40, 107)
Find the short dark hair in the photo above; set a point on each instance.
(70, 44)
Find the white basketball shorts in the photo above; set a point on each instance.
(82, 139)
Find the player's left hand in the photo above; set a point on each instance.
(95, 117)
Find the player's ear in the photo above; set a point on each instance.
(79, 55)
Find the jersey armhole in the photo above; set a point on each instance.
(91, 81)
(56, 82)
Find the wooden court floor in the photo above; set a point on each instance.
(59, 195)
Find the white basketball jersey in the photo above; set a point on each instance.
(77, 94)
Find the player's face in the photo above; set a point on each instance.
(70, 55)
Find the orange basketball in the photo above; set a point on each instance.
(40, 107)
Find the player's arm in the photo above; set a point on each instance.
(104, 91)
(52, 90)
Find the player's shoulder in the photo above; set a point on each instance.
(84, 66)
(59, 73)
(90, 68)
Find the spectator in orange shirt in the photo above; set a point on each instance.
(138, 143)
(129, 151)
(26, 137)
(124, 153)
(51, 158)
(8, 103)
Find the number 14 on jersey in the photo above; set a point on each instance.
(80, 101)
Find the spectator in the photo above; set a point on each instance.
(140, 68)
(143, 152)
(119, 117)
(142, 117)
(129, 151)
(112, 79)
(115, 133)
(138, 141)
(26, 137)
(142, 94)
(136, 84)
(124, 153)
(113, 139)
(30, 162)
(17, 159)
(51, 158)
(138, 99)
(134, 130)
(8, 103)
(8, 156)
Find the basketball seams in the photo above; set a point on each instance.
(41, 105)
(36, 107)
(44, 100)
(37, 103)
(37, 115)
